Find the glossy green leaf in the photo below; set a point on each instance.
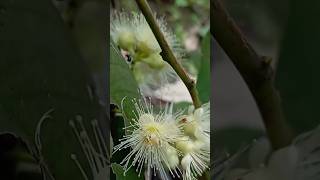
(182, 3)
(203, 84)
(123, 86)
(40, 69)
(298, 68)
(117, 132)
(123, 89)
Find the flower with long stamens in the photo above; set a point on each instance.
(195, 146)
(98, 159)
(152, 140)
(122, 32)
(195, 159)
(132, 34)
(197, 123)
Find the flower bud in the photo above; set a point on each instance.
(127, 40)
(138, 72)
(186, 161)
(143, 50)
(198, 113)
(185, 146)
(172, 157)
(191, 128)
(154, 61)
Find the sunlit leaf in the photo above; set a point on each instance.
(203, 83)
(123, 87)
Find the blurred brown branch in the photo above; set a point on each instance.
(255, 70)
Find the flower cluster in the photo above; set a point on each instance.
(133, 36)
(168, 142)
(195, 145)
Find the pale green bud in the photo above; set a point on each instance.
(186, 161)
(154, 61)
(138, 72)
(185, 146)
(198, 144)
(144, 50)
(127, 40)
(198, 113)
(172, 157)
(191, 128)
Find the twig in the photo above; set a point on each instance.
(255, 70)
(167, 53)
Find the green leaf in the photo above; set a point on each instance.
(40, 69)
(130, 175)
(182, 3)
(298, 68)
(122, 84)
(117, 132)
(233, 139)
(181, 106)
(203, 84)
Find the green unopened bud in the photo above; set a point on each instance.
(138, 72)
(154, 61)
(127, 40)
(186, 161)
(198, 113)
(172, 156)
(185, 146)
(143, 50)
(198, 144)
(191, 128)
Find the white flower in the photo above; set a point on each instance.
(195, 146)
(152, 138)
(132, 34)
(97, 160)
(196, 157)
(197, 123)
(122, 32)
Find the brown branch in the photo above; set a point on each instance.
(255, 70)
(167, 53)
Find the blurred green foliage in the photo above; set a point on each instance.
(123, 88)
(204, 78)
(41, 69)
(298, 69)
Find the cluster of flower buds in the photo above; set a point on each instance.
(167, 141)
(133, 36)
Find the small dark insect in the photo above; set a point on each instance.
(184, 120)
(128, 58)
